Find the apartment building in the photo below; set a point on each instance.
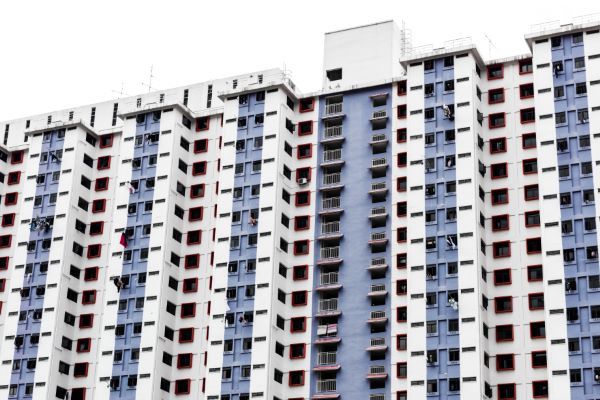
(422, 227)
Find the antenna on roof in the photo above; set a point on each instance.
(490, 45)
(149, 84)
(121, 92)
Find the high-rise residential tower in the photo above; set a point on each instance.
(423, 227)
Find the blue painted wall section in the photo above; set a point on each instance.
(135, 258)
(364, 137)
(582, 324)
(38, 250)
(242, 256)
(440, 204)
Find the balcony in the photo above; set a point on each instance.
(378, 189)
(379, 119)
(377, 345)
(332, 134)
(377, 317)
(328, 307)
(379, 141)
(379, 165)
(377, 396)
(328, 281)
(332, 181)
(332, 157)
(378, 290)
(326, 386)
(330, 230)
(378, 214)
(331, 206)
(377, 372)
(327, 334)
(330, 256)
(333, 110)
(378, 264)
(378, 240)
(327, 361)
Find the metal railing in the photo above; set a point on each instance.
(378, 236)
(378, 162)
(378, 261)
(378, 287)
(330, 179)
(376, 369)
(330, 227)
(377, 396)
(328, 305)
(329, 278)
(327, 358)
(332, 155)
(377, 314)
(380, 137)
(326, 385)
(332, 202)
(378, 211)
(334, 108)
(380, 341)
(330, 252)
(380, 114)
(331, 132)
(378, 186)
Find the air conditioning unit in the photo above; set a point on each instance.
(303, 181)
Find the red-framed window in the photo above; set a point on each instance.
(503, 304)
(199, 168)
(188, 310)
(197, 190)
(499, 170)
(299, 298)
(401, 88)
(525, 66)
(539, 389)
(86, 321)
(196, 214)
(2, 284)
(202, 124)
(496, 96)
(296, 378)
(505, 362)
(302, 198)
(305, 128)
(88, 297)
(401, 183)
(504, 333)
(498, 145)
(531, 192)
(495, 71)
(527, 115)
(535, 273)
(190, 285)
(101, 184)
(16, 157)
(96, 228)
(401, 209)
(401, 110)
(539, 359)
(302, 222)
(98, 205)
(94, 251)
(499, 196)
(300, 272)
(497, 120)
(182, 386)
(536, 301)
(528, 141)
(401, 234)
(297, 324)
(401, 314)
(80, 370)
(91, 274)
(401, 342)
(184, 360)
(526, 91)
(4, 263)
(532, 218)
(530, 166)
(103, 163)
(501, 249)
(192, 261)
(200, 146)
(194, 237)
(106, 141)
(305, 173)
(301, 247)
(502, 277)
(8, 219)
(401, 260)
(402, 395)
(534, 245)
(307, 104)
(401, 370)
(304, 151)
(13, 178)
(84, 345)
(297, 351)
(401, 135)
(401, 287)
(537, 329)
(402, 159)
(500, 222)
(10, 199)
(186, 335)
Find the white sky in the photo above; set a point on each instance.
(55, 54)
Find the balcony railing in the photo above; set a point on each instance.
(378, 162)
(329, 228)
(327, 358)
(380, 114)
(378, 236)
(377, 211)
(378, 288)
(331, 179)
(330, 252)
(332, 202)
(378, 314)
(377, 396)
(376, 369)
(326, 385)
(332, 155)
(328, 305)
(334, 108)
(329, 278)
(380, 341)
(378, 261)
(332, 132)
(379, 137)
(378, 186)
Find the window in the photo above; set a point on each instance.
(538, 330)
(504, 333)
(527, 115)
(307, 104)
(401, 314)
(101, 184)
(88, 297)
(8, 219)
(579, 63)
(526, 91)
(560, 118)
(495, 71)
(200, 146)
(402, 159)
(532, 218)
(334, 74)
(497, 120)
(98, 205)
(297, 324)
(401, 370)
(296, 378)
(300, 272)
(83, 345)
(531, 192)
(297, 350)
(496, 96)
(530, 166)
(580, 89)
(301, 247)
(11, 199)
(559, 92)
(103, 163)
(499, 170)
(506, 391)
(536, 301)
(401, 88)
(528, 140)
(534, 245)
(500, 222)
(498, 145)
(94, 250)
(199, 168)
(503, 304)
(197, 191)
(186, 335)
(525, 66)
(401, 110)
(505, 362)
(401, 135)
(304, 151)
(305, 128)
(182, 386)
